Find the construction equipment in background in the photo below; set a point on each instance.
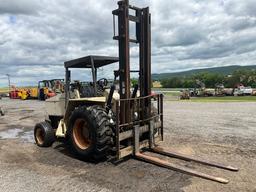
(228, 91)
(98, 121)
(23, 94)
(45, 89)
(219, 89)
(49, 88)
(14, 93)
(184, 94)
(254, 92)
(201, 91)
(28, 93)
(241, 90)
(33, 93)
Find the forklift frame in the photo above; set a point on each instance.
(127, 126)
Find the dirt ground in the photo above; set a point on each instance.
(223, 132)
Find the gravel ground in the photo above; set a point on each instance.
(224, 132)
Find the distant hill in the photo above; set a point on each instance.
(222, 70)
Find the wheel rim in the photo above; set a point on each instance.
(40, 136)
(81, 134)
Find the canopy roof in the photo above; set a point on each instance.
(86, 62)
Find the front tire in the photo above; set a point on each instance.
(89, 132)
(44, 134)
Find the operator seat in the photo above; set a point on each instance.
(87, 90)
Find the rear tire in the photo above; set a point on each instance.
(44, 134)
(89, 132)
(41, 95)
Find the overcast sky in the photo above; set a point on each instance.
(37, 36)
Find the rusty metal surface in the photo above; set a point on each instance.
(169, 165)
(124, 131)
(124, 57)
(143, 129)
(136, 107)
(130, 149)
(142, 19)
(169, 153)
(117, 133)
(161, 111)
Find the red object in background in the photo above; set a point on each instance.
(51, 94)
(14, 94)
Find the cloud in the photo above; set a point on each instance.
(38, 36)
(19, 6)
(236, 7)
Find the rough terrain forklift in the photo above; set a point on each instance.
(99, 121)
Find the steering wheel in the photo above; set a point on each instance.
(103, 82)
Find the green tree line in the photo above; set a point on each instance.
(246, 77)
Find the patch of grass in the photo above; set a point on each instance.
(225, 99)
(4, 90)
(174, 96)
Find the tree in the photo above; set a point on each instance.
(246, 77)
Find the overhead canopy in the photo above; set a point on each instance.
(86, 62)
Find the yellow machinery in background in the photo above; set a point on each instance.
(33, 93)
(23, 93)
(28, 93)
(44, 90)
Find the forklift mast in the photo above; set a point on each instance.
(145, 129)
(142, 20)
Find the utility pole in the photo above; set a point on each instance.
(9, 82)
